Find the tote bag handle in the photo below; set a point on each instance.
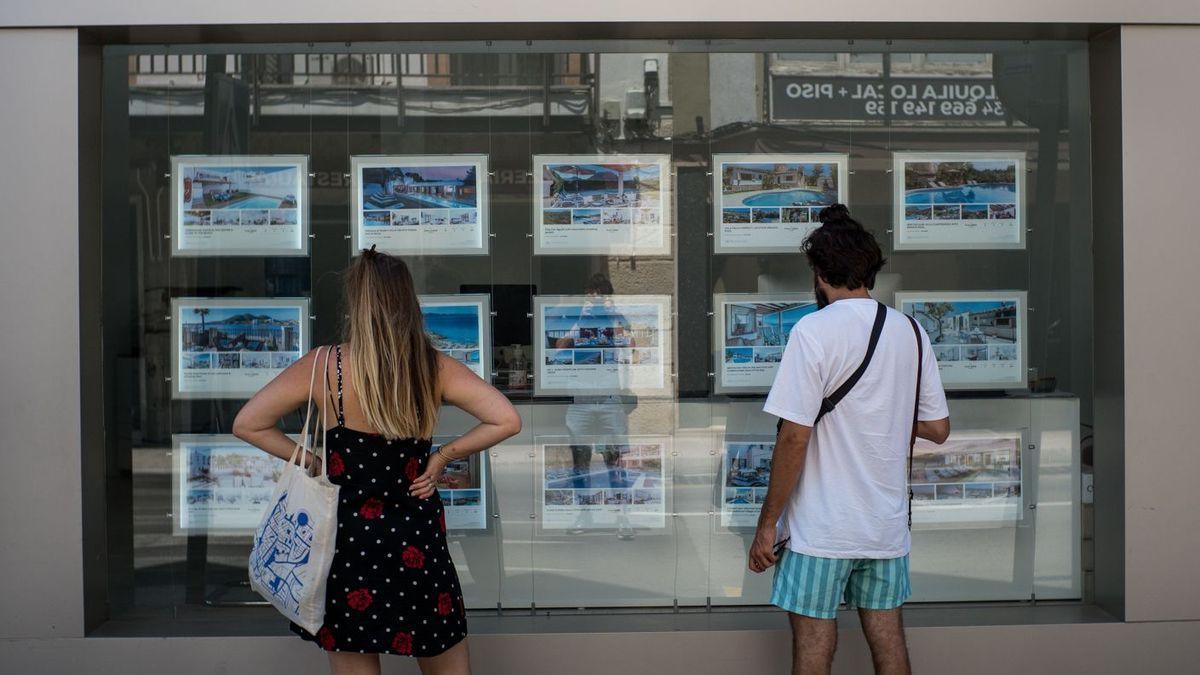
(302, 445)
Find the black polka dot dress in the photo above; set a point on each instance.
(392, 587)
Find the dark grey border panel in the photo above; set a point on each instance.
(1108, 233)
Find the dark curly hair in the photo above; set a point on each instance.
(842, 251)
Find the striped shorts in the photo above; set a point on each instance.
(814, 587)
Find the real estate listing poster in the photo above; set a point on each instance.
(463, 489)
(745, 473)
(231, 347)
(959, 201)
(602, 204)
(974, 477)
(460, 327)
(750, 331)
(978, 337)
(768, 203)
(221, 485)
(239, 205)
(420, 204)
(594, 483)
(602, 344)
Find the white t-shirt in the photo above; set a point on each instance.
(852, 498)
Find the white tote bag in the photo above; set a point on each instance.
(294, 543)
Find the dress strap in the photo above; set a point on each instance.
(341, 412)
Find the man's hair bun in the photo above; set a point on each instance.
(834, 214)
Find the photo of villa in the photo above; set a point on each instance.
(967, 323)
(437, 204)
(263, 186)
(971, 469)
(588, 204)
(601, 324)
(777, 184)
(458, 326)
(628, 185)
(751, 330)
(970, 200)
(748, 464)
(238, 205)
(772, 190)
(377, 218)
(600, 343)
(419, 186)
(236, 478)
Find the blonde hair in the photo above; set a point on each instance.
(393, 365)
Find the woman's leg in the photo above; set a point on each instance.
(351, 663)
(453, 661)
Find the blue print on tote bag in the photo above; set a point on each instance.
(281, 551)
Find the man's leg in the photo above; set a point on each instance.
(810, 588)
(813, 644)
(885, 635)
(878, 588)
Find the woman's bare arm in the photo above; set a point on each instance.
(498, 420)
(256, 421)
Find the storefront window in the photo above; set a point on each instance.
(610, 238)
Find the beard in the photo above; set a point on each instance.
(822, 299)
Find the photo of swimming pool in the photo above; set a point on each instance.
(419, 186)
(982, 181)
(780, 183)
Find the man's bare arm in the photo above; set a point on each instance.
(791, 448)
(934, 430)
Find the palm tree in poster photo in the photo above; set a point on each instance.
(203, 312)
(935, 311)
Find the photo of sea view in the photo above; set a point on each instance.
(419, 186)
(244, 329)
(961, 190)
(454, 329)
(240, 187)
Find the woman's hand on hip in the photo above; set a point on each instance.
(425, 484)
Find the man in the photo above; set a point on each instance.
(838, 489)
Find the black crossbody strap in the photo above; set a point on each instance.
(830, 402)
(916, 408)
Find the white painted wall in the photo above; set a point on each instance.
(41, 579)
(1161, 142)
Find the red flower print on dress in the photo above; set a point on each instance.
(325, 638)
(336, 467)
(359, 599)
(412, 469)
(442, 522)
(445, 604)
(413, 557)
(371, 508)
(402, 643)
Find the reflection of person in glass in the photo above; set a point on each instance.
(599, 419)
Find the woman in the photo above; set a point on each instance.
(392, 586)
